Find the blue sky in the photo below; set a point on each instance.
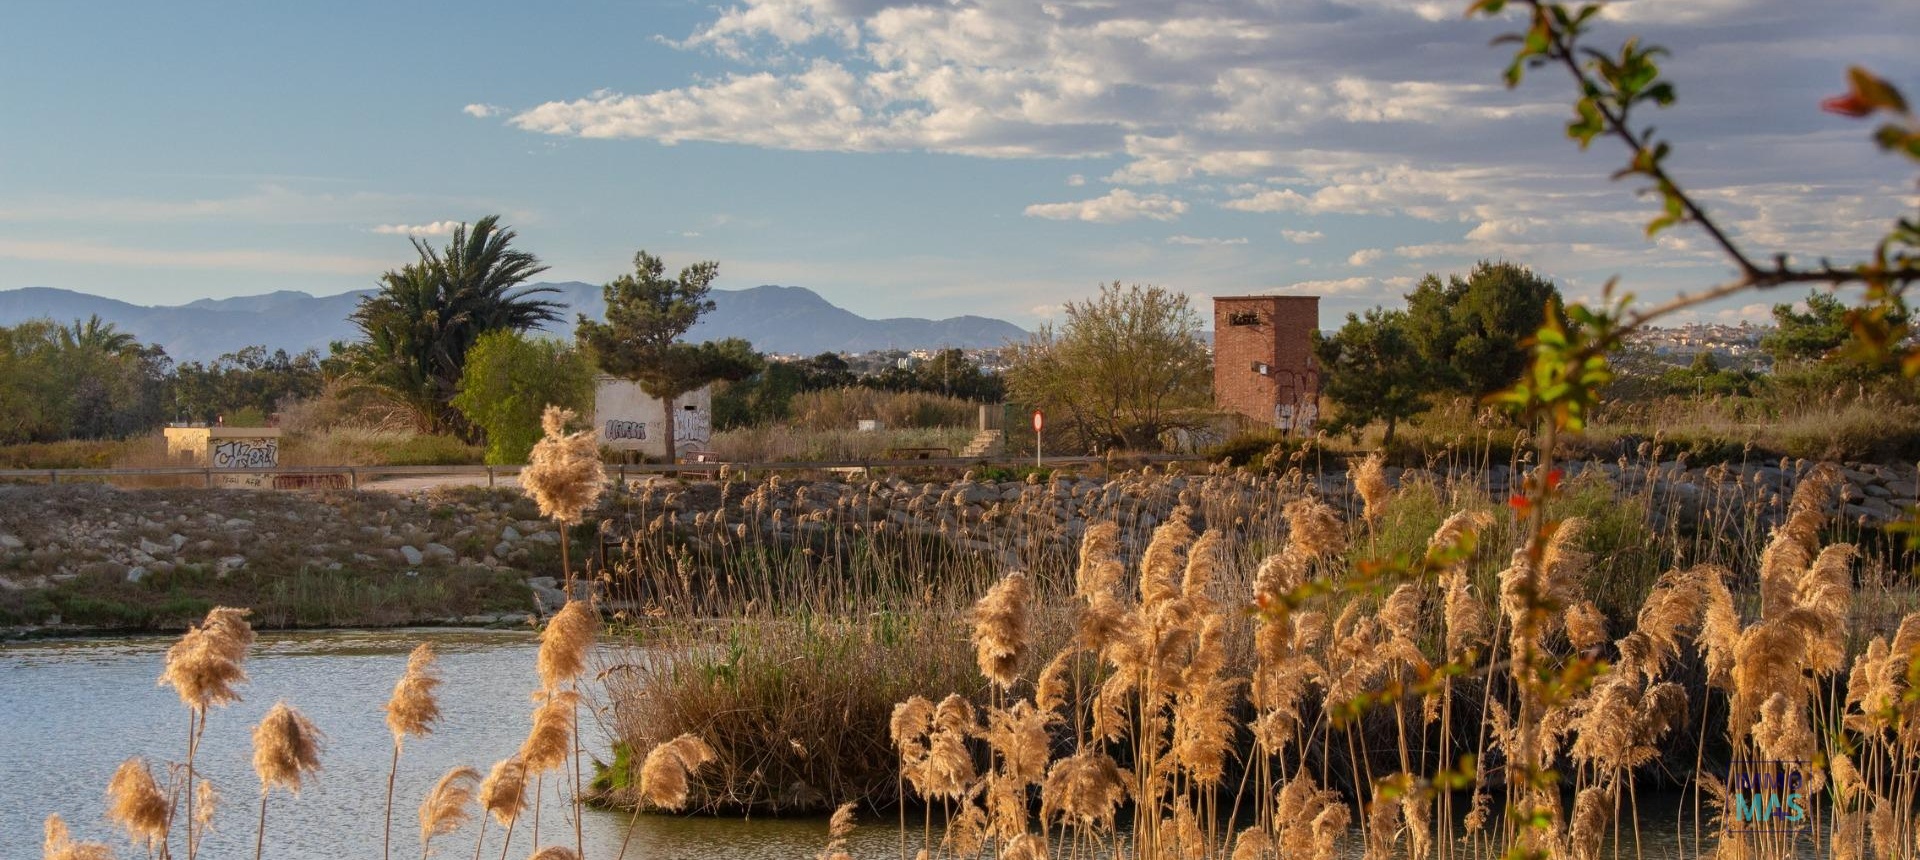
(910, 158)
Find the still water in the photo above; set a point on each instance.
(71, 711)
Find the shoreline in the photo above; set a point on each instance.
(42, 633)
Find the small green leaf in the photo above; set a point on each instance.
(1588, 124)
(1875, 91)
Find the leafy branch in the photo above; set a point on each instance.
(1612, 86)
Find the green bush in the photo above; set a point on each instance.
(510, 380)
(1267, 450)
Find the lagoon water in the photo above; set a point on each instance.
(72, 710)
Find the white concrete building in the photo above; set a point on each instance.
(628, 419)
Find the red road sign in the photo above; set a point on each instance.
(1038, 421)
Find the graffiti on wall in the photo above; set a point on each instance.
(691, 427)
(617, 429)
(246, 453)
(1296, 416)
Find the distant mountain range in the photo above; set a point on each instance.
(776, 319)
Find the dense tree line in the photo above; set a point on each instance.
(1464, 336)
(89, 380)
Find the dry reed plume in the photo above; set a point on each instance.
(136, 803)
(286, 750)
(663, 775)
(565, 644)
(203, 667)
(411, 711)
(413, 708)
(563, 474)
(504, 792)
(1370, 481)
(1000, 628)
(839, 827)
(60, 845)
(447, 806)
(550, 744)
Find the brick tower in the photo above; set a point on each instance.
(1263, 364)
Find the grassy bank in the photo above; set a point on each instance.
(298, 597)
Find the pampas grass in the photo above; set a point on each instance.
(447, 806)
(1000, 628)
(60, 845)
(564, 476)
(286, 750)
(136, 803)
(663, 776)
(203, 667)
(412, 710)
(565, 644)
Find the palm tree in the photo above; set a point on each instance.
(96, 336)
(429, 313)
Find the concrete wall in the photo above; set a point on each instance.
(1263, 366)
(232, 451)
(628, 419)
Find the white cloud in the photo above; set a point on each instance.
(1365, 257)
(482, 111)
(1273, 200)
(435, 228)
(1339, 287)
(1204, 240)
(1118, 205)
(1386, 110)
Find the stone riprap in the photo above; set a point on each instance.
(53, 534)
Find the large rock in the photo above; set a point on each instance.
(412, 556)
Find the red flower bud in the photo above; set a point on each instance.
(1850, 104)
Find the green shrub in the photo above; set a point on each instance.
(1267, 450)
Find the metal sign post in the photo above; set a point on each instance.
(1039, 421)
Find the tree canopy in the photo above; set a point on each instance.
(1473, 330)
(88, 380)
(510, 380)
(1371, 372)
(1123, 368)
(647, 315)
(428, 314)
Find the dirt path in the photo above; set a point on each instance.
(418, 483)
